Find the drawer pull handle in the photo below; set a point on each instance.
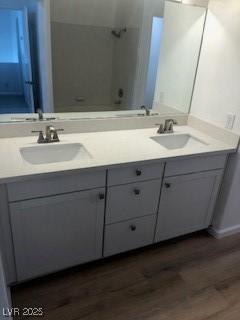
(101, 196)
(137, 192)
(133, 227)
(138, 172)
(168, 185)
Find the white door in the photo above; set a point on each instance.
(26, 58)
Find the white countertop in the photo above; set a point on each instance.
(106, 149)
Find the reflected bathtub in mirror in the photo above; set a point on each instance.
(105, 56)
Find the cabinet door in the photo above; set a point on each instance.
(187, 204)
(58, 232)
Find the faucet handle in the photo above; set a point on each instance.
(148, 111)
(36, 131)
(172, 120)
(41, 138)
(161, 128)
(55, 135)
(168, 128)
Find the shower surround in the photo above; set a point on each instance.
(98, 63)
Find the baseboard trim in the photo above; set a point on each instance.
(222, 233)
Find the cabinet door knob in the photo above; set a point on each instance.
(168, 185)
(138, 172)
(133, 227)
(101, 196)
(137, 192)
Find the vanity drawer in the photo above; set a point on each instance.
(129, 235)
(199, 164)
(132, 200)
(134, 173)
(60, 184)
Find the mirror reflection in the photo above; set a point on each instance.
(16, 82)
(107, 55)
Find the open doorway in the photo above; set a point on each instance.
(156, 37)
(16, 83)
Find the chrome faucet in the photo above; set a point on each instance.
(148, 111)
(167, 127)
(51, 135)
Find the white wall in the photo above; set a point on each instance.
(128, 13)
(151, 8)
(84, 12)
(179, 53)
(44, 55)
(217, 93)
(218, 81)
(203, 3)
(104, 13)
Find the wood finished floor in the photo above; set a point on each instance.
(192, 278)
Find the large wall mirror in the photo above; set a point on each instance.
(107, 55)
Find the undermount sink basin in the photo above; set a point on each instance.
(53, 153)
(178, 141)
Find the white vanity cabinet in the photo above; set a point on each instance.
(58, 232)
(189, 192)
(55, 232)
(68, 219)
(131, 210)
(187, 204)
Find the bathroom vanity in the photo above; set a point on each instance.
(131, 189)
